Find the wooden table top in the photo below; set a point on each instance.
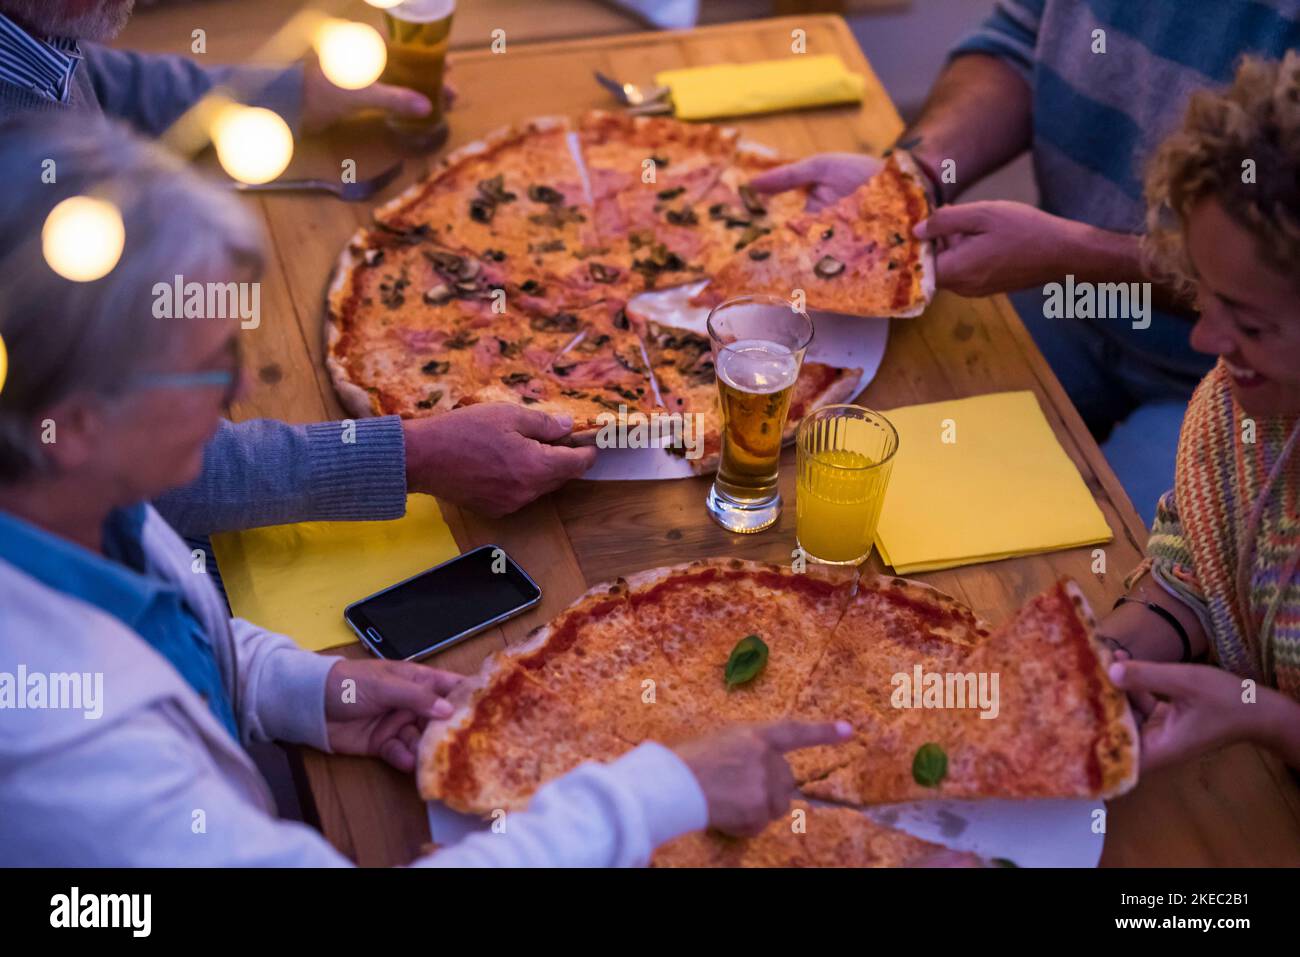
(1235, 807)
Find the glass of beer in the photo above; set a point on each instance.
(419, 32)
(758, 346)
(844, 457)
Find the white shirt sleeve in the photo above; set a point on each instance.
(597, 815)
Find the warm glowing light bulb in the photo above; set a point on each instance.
(253, 144)
(83, 238)
(4, 363)
(352, 55)
(384, 4)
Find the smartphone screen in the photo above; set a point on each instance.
(444, 605)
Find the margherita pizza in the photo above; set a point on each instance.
(675, 652)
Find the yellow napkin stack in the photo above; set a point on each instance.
(297, 579)
(1000, 486)
(740, 89)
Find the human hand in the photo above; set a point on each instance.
(743, 772)
(1199, 708)
(492, 458)
(323, 103)
(831, 176)
(385, 707)
(990, 247)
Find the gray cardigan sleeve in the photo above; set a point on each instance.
(151, 91)
(264, 472)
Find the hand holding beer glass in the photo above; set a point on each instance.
(418, 35)
(758, 347)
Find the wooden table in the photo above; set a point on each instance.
(1237, 807)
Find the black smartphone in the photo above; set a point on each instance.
(435, 609)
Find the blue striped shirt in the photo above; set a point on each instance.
(1099, 116)
(43, 66)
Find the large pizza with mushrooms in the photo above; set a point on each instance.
(671, 653)
(511, 272)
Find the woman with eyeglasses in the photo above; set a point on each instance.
(148, 692)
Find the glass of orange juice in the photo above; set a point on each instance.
(844, 457)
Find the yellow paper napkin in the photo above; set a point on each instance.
(297, 579)
(980, 479)
(739, 89)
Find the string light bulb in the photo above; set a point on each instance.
(4, 363)
(254, 144)
(352, 55)
(82, 238)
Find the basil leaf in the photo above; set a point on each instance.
(748, 658)
(1004, 862)
(930, 765)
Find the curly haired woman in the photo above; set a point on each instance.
(1221, 577)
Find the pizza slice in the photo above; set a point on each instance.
(812, 836)
(733, 215)
(1056, 727)
(518, 194)
(595, 652)
(509, 735)
(858, 256)
(701, 612)
(891, 627)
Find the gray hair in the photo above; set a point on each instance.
(65, 337)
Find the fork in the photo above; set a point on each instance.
(637, 99)
(362, 189)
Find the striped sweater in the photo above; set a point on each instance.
(1197, 540)
(1099, 116)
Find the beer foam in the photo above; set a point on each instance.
(757, 366)
(423, 11)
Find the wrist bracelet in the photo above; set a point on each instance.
(926, 169)
(1169, 618)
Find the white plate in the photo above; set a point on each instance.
(1044, 833)
(843, 341)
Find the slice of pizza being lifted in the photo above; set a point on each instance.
(1038, 718)
(858, 256)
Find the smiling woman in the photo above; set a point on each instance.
(1224, 194)
(1224, 199)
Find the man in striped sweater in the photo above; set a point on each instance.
(1090, 86)
(493, 459)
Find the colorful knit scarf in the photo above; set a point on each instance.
(1236, 476)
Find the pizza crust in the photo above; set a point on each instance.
(355, 400)
(431, 754)
(1118, 744)
(909, 169)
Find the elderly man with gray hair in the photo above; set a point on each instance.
(94, 584)
(492, 459)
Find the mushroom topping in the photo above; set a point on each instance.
(439, 295)
(828, 267)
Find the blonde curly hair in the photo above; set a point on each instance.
(1252, 127)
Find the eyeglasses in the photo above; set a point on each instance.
(229, 379)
